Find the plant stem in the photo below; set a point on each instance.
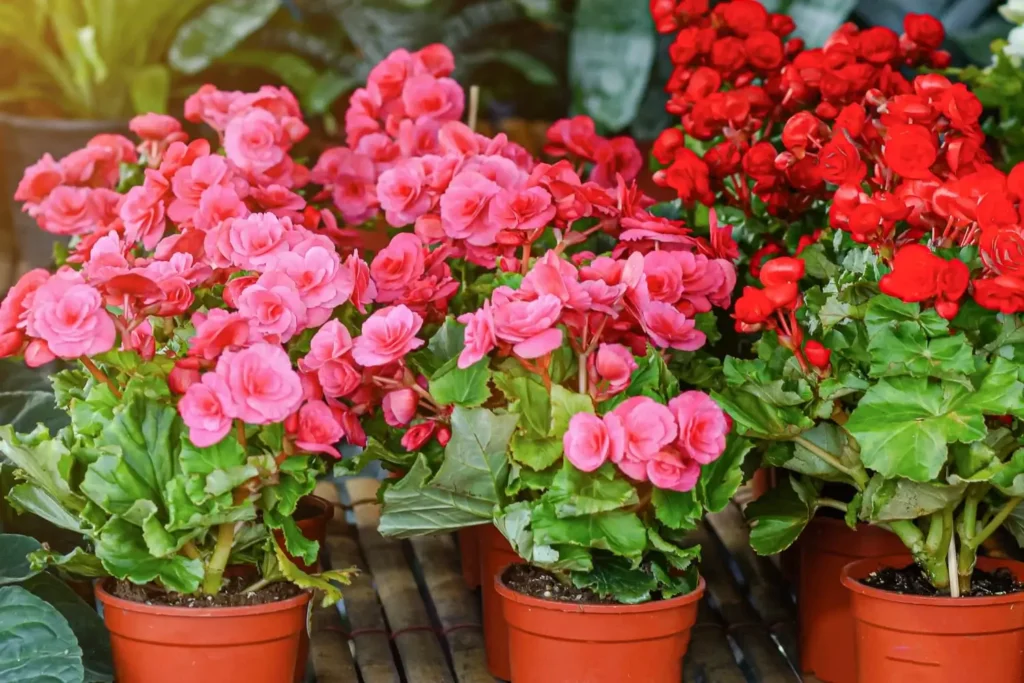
(100, 375)
(859, 476)
(262, 583)
(474, 106)
(832, 503)
(914, 539)
(954, 585)
(582, 372)
(995, 522)
(965, 565)
(524, 267)
(240, 433)
(219, 560)
(189, 550)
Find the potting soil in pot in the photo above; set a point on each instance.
(910, 580)
(233, 594)
(538, 583)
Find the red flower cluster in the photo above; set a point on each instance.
(736, 82)
(919, 275)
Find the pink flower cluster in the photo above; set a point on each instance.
(647, 441)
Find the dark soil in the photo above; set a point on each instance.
(231, 595)
(537, 583)
(911, 580)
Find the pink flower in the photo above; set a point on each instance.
(417, 435)
(552, 274)
(207, 410)
(264, 387)
(363, 289)
(141, 341)
(332, 342)
(17, 305)
(616, 157)
(527, 209)
(668, 328)
(529, 325)
(465, 209)
(591, 442)
(702, 426)
(273, 307)
(143, 211)
(210, 105)
(278, 200)
(154, 127)
(387, 336)
(403, 194)
(667, 470)
(479, 339)
(319, 429)
(254, 141)
(91, 166)
(321, 279)
(434, 98)
(664, 274)
(339, 378)
(69, 315)
(649, 427)
(435, 59)
(67, 211)
(216, 205)
(610, 369)
(257, 239)
(218, 331)
(400, 407)
(706, 281)
(39, 180)
(190, 182)
(388, 76)
(396, 266)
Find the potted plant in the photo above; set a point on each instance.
(755, 141)
(185, 311)
(886, 378)
(533, 308)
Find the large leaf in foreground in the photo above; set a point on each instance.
(36, 643)
(469, 483)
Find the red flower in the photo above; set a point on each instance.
(801, 130)
(817, 355)
(727, 55)
(839, 162)
(743, 17)
(767, 251)
(783, 270)
(919, 275)
(664, 149)
(759, 161)
(910, 151)
(878, 45)
(753, 308)
(688, 176)
(807, 240)
(764, 50)
(1004, 293)
(925, 30)
(961, 107)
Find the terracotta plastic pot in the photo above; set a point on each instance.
(495, 555)
(762, 482)
(826, 624)
(469, 550)
(23, 141)
(154, 644)
(913, 639)
(560, 642)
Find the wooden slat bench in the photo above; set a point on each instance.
(408, 617)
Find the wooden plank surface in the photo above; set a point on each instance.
(709, 658)
(457, 609)
(742, 622)
(370, 637)
(422, 658)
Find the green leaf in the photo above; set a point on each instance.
(45, 462)
(78, 562)
(617, 531)
(149, 436)
(720, 479)
(31, 498)
(565, 404)
(90, 414)
(778, 517)
(611, 51)
(85, 623)
(1010, 477)
(886, 313)
(469, 387)
(36, 643)
(759, 418)
(680, 557)
(829, 437)
(122, 549)
(150, 89)
(677, 510)
(530, 399)
(653, 378)
(467, 487)
(616, 578)
(537, 454)
(15, 566)
(216, 31)
(113, 485)
(324, 581)
(576, 494)
(886, 500)
(295, 542)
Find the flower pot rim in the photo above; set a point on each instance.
(557, 606)
(325, 506)
(112, 601)
(853, 571)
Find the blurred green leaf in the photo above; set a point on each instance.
(216, 31)
(36, 643)
(150, 89)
